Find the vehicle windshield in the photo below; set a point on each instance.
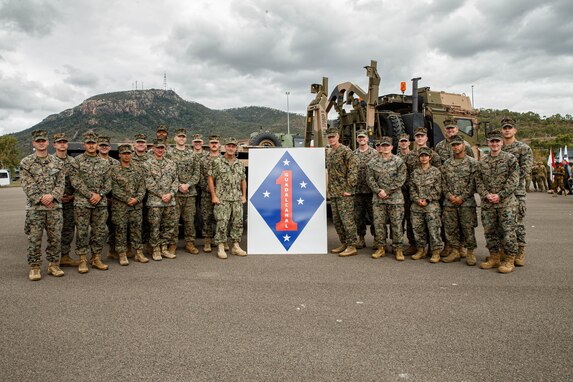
(465, 126)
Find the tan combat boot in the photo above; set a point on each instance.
(207, 245)
(492, 261)
(166, 251)
(140, 257)
(463, 252)
(411, 251)
(349, 251)
(83, 266)
(380, 252)
(435, 256)
(520, 258)
(67, 261)
(446, 251)
(123, 258)
(508, 264)
(112, 254)
(399, 254)
(98, 264)
(221, 254)
(35, 274)
(156, 254)
(361, 242)
(470, 257)
(190, 248)
(453, 256)
(54, 270)
(338, 249)
(420, 254)
(237, 251)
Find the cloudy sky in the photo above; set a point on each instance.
(230, 53)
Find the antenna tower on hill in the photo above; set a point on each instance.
(164, 81)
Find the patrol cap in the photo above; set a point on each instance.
(140, 138)
(494, 135)
(361, 133)
(197, 138)
(420, 131)
(424, 151)
(59, 137)
(90, 137)
(124, 149)
(179, 132)
(450, 123)
(162, 127)
(159, 143)
(384, 141)
(331, 131)
(506, 121)
(231, 141)
(102, 140)
(404, 137)
(456, 139)
(40, 135)
(214, 138)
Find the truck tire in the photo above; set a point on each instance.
(265, 140)
(396, 127)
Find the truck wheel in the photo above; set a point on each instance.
(265, 140)
(396, 125)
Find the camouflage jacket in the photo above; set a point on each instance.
(342, 168)
(112, 161)
(68, 162)
(127, 183)
(362, 159)
(426, 184)
(42, 176)
(227, 178)
(498, 175)
(444, 150)
(90, 174)
(388, 175)
(413, 160)
(459, 179)
(161, 178)
(140, 159)
(188, 169)
(206, 162)
(524, 156)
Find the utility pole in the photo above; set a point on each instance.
(288, 114)
(165, 81)
(473, 102)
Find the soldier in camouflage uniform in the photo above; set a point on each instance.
(128, 190)
(60, 143)
(43, 182)
(161, 183)
(92, 181)
(524, 156)
(459, 210)
(403, 153)
(538, 177)
(559, 175)
(363, 196)
(206, 206)
(425, 194)
(497, 179)
(542, 176)
(201, 198)
(228, 188)
(139, 157)
(197, 143)
(188, 172)
(342, 168)
(444, 148)
(104, 147)
(386, 175)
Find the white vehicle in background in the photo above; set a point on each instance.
(4, 178)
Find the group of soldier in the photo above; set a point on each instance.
(134, 201)
(430, 194)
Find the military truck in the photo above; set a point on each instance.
(387, 115)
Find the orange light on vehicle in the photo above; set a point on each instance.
(403, 86)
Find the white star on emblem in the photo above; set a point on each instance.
(300, 201)
(303, 184)
(266, 194)
(286, 238)
(286, 162)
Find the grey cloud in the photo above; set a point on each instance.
(77, 77)
(33, 17)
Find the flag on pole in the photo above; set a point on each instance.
(566, 161)
(560, 157)
(551, 163)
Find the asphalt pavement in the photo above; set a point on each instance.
(292, 317)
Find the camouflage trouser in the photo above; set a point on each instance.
(185, 209)
(225, 212)
(110, 226)
(343, 217)
(36, 222)
(207, 215)
(528, 183)
(145, 225)
(127, 222)
(162, 225)
(427, 225)
(499, 226)
(407, 225)
(540, 183)
(558, 185)
(394, 213)
(459, 226)
(68, 227)
(520, 226)
(95, 218)
(363, 214)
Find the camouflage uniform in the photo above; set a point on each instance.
(426, 221)
(388, 175)
(558, 177)
(139, 161)
(363, 214)
(110, 225)
(206, 206)
(342, 173)
(90, 174)
(39, 177)
(127, 183)
(499, 175)
(227, 178)
(542, 176)
(161, 179)
(68, 227)
(459, 179)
